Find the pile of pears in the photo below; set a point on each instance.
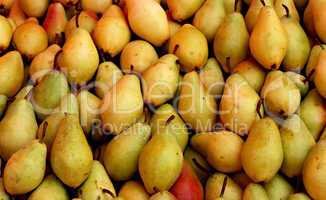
(163, 99)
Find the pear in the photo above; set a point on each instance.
(34, 8)
(268, 33)
(298, 196)
(222, 149)
(300, 81)
(318, 13)
(133, 190)
(290, 11)
(16, 13)
(253, 12)
(30, 38)
(137, 56)
(68, 104)
(278, 188)
(255, 192)
(148, 20)
(232, 6)
(314, 171)
(242, 179)
(25, 169)
(23, 93)
(6, 33)
(231, 42)
(122, 105)
(297, 142)
(196, 106)
(164, 195)
(43, 63)
(85, 20)
(313, 61)
(111, 33)
(320, 74)
(212, 78)
(98, 184)
(160, 81)
(190, 46)
(3, 193)
(209, 17)
(240, 105)
(167, 117)
(108, 74)
(50, 185)
(298, 44)
(12, 71)
(161, 155)
(121, 153)
(250, 70)
(71, 157)
(280, 94)
(220, 185)
(98, 6)
(183, 9)
(308, 19)
(262, 152)
(3, 104)
(313, 112)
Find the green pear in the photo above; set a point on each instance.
(255, 192)
(133, 190)
(300, 81)
(281, 96)
(122, 152)
(278, 188)
(3, 104)
(79, 57)
(231, 42)
(107, 75)
(318, 13)
(299, 196)
(161, 156)
(5, 33)
(240, 105)
(51, 188)
(291, 9)
(164, 195)
(190, 46)
(98, 184)
(160, 81)
(297, 142)
(167, 117)
(313, 61)
(211, 76)
(219, 182)
(18, 127)
(253, 12)
(268, 33)
(209, 17)
(12, 71)
(122, 105)
(313, 112)
(183, 9)
(3, 193)
(320, 74)
(68, 104)
(262, 152)
(196, 106)
(25, 169)
(71, 156)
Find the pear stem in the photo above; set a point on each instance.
(311, 73)
(176, 47)
(287, 11)
(168, 121)
(55, 61)
(201, 167)
(225, 182)
(228, 63)
(45, 126)
(236, 5)
(77, 19)
(263, 2)
(259, 103)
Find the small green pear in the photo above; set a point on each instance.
(25, 169)
(255, 192)
(320, 74)
(313, 61)
(291, 9)
(3, 104)
(133, 190)
(278, 188)
(164, 195)
(300, 81)
(183, 9)
(6, 33)
(299, 196)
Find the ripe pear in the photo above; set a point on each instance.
(85, 20)
(3, 193)
(3, 104)
(262, 152)
(209, 17)
(313, 61)
(51, 188)
(320, 74)
(313, 112)
(219, 182)
(161, 155)
(68, 105)
(108, 74)
(98, 6)
(34, 8)
(253, 12)
(71, 157)
(212, 78)
(299, 196)
(164, 195)
(133, 190)
(240, 105)
(280, 94)
(25, 169)
(196, 106)
(137, 56)
(319, 16)
(290, 11)
(255, 192)
(278, 188)
(98, 184)
(121, 154)
(148, 20)
(16, 13)
(232, 6)
(190, 46)
(300, 81)
(167, 117)
(122, 105)
(111, 33)
(308, 19)
(30, 38)
(12, 71)
(6, 33)
(79, 57)
(183, 9)
(268, 33)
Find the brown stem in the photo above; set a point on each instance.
(259, 103)
(287, 11)
(45, 126)
(263, 2)
(169, 120)
(225, 182)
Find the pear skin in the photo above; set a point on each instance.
(68, 105)
(278, 188)
(164, 195)
(300, 81)
(313, 61)
(183, 9)
(133, 190)
(23, 93)
(320, 74)
(319, 16)
(299, 196)
(85, 20)
(3, 104)
(232, 6)
(308, 19)
(292, 10)
(34, 8)
(98, 6)
(16, 13)
(253, 12)
(6, 33)
(3, 193)
(255, 192)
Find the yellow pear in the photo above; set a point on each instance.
(25, 169)
(253, 12)
(291, 9)
(232, 6)
(299, 196)
(313, 61)
(16, 14)
(122, 105)
(308, 19)
(6, 33)
(12, 73)
(133, 190)
(98, 6)
(320, 74)
(190, 46)
(278, 188)
(34, 8)
(148, 20)
(255, 192)
(164, 195)
(183, 9)
(85, 20)
(68, 105)
(319, 16)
